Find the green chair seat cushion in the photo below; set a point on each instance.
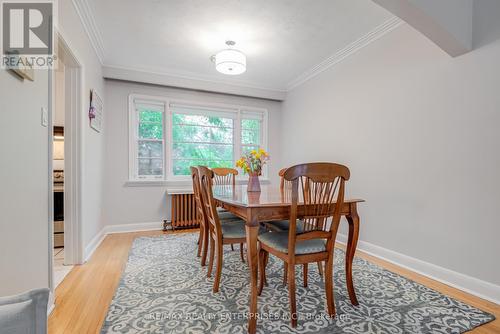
(279, 241)
(233, 229)
(227, 216)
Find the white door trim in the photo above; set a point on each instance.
(74, 106)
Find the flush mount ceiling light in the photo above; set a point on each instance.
(230, 61)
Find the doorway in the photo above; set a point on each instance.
(65, 244)
(62, 266)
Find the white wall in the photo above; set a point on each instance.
(74, 34)
(446, 22)
(127, 205)
(24, 204)
(420, 133)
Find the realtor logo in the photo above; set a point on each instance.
(27, 34)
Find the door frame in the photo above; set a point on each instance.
(73, 128)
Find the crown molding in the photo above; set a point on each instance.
(181, 74)
(175, 78)
(190, 81)
(87, 17)
(345, 52)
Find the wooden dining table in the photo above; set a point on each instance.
(273, 203)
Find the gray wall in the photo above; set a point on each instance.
(128, 205)
(93, 142)
(420, 133)
(24, 204)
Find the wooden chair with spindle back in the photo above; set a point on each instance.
(203, 237)
(285, 189)
(284, 184)
(224, 217)
(321, 197)
(226, 176)
(219, 234)
(283, 225)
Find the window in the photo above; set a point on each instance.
(168, 137)
(251, 131)
(148, 140)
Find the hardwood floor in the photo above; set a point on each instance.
(82, 299)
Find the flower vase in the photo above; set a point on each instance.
(253, 183)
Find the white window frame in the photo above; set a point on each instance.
(168, 102)
(134, 139)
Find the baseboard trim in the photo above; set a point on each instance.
(93, 244)
(474, 286)
(123, 228)
(136, 227)
(51, 308)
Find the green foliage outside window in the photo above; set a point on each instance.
(196, 140)
(150, 145)
(201, 140)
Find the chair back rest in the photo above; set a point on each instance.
(284, 184)
(200, 209)
(208, 202)
(225, 176)
(285, 187)
(319, 189)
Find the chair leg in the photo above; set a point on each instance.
(232, 247)
(330, 302)
(266, 261)
(285, 273)
(241, 253)
(200, 241)
(305, 271)
(212, 255)
(320, 268)
(262, 270)
(218, 268)
(204, 248)
(291, 291)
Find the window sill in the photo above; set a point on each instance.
(145, 183)
(176, 185)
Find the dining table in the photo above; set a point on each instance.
(273, 203)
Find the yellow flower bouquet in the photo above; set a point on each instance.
(252, 163)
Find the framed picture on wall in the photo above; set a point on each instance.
(95, 111)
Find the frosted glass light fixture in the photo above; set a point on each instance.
(230, 61)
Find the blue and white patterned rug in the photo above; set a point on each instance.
(164, 290)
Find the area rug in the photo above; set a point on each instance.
(165, 290)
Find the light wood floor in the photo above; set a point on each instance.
(82, 299)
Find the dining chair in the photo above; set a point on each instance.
(321, 197)
(285, 190)
(225, 176)
(203, 236)
(283, 225)
(219, 234)
(284, 183)
(225, 217)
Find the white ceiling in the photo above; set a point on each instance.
(282, 39)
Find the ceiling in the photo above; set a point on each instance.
(283, 39)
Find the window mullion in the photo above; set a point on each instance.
(136, 141)
(169, 146)
(237, 137)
